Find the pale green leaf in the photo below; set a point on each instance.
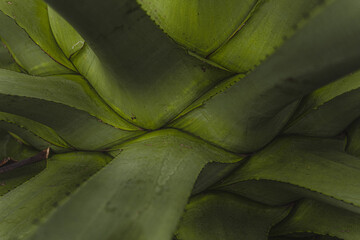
(33, 18)
(66, 36)
(25, 52)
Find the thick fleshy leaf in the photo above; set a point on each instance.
(25, 52)
(11, 148)
(6, 60)
(66, 104)
(33, 18)
(313, 167)
(138, 66)
(201, 25)
(258, 106)
(329, 110)
(226, 216)
(262, 33)
(34, 133)
(140, 194)
(66, 36)
(212, 173)
(311, 216)
(22, 209)
(354, 139)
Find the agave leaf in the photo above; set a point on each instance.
(33, 18)
(140, 65)
(262, 32)
(248, 115)
(11, 148)
(6, 60)
(311, 216)
(26, 53)
(354, 139)
(329, 110)
(37, 134)
(66, 36)
(200, 26)
(212, 173)
(313, 167)
(226, 216)
(22, 209)
(65, 104)
(140, 194)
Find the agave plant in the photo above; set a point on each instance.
(181, 119)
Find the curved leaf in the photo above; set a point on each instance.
(38, 135)
(11, 148)
(201, 26)
(311, 216)
(140, 194)
(6, 60)
(258, 106)
(66, 36)
(65, 104)
(33, 18)
(25, 52)
(305, 167)
(226, 216)
(25, 207)
(136, 64)
(329, 110)
(263, 32)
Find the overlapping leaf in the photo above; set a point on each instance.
(248, 115)
(226, 216)
(294, 167)
(25, 207)
(140, 194)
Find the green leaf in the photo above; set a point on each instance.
(66, 104)
(262, 32)
(38, 135)
(329, 110)
(9, 147)
(200, 26)
(354, 139)
(22, 209)
(245, 117)
(303, 167)
(6, 60)
(66, 36)
(33, 18)
(136, 65)
(226, 216)
(25, 52)
(311, 216)
(212, 173)
(140, 194)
